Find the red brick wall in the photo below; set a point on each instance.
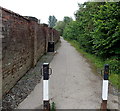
(0, 56)
(40, 41)
(24, 42)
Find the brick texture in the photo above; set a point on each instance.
(24, 41)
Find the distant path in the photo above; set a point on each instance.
(73, 85)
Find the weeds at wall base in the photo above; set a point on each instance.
(53, 107)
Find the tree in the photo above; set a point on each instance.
(52, 21)
(60, 25)
(106, 35)
(97, 28)
(67, 20)
(83, 26)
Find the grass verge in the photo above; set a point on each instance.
(97, 63)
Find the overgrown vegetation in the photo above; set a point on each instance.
(98, 63)
(60, 25)
(96, 31)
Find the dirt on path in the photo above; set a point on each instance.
(73, 84)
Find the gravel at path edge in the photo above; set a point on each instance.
(26, 84)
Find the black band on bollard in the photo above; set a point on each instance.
(106, 72)
(45, 71)
(46, 104)
(105, 88)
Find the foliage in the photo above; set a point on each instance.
(70, 31)
(115, 78)
(98, 63)
(60, 25)
(106, 35)
(97, 28)
(53, 107)
(52, 21)
(114, 65)
(97, 31)
(83, 25)
(67, 20)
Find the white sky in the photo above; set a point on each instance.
(41, 9)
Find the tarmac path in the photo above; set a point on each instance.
(73, 84)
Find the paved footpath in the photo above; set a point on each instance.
(73, 84)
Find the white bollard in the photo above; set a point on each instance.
(46, 104)
(105, 88)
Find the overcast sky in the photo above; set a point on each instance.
(41, 9)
